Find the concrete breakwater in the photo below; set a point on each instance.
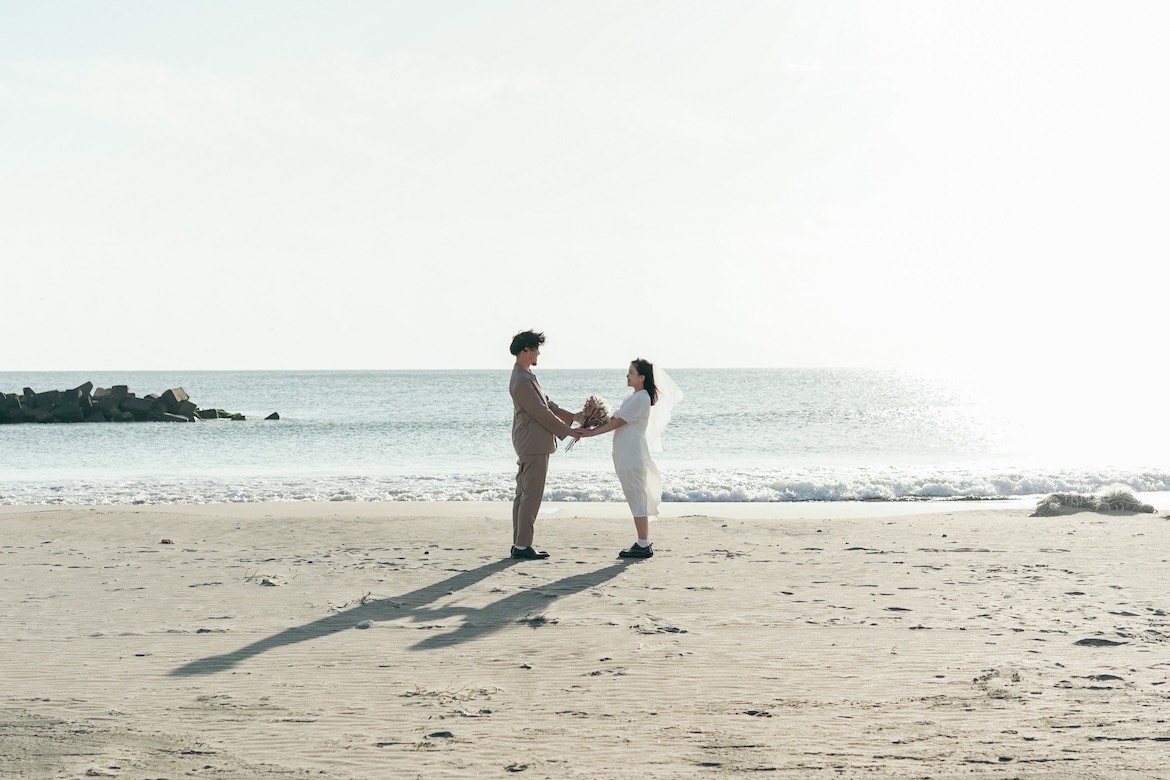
(113, 404)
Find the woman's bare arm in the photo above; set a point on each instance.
(613, 424)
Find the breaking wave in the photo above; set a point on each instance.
(707, 485)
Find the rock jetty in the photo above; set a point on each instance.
(114, 404)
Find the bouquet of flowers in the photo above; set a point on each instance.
(596, 413)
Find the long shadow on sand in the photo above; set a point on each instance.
(478, 621)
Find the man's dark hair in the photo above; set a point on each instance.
(526, 339)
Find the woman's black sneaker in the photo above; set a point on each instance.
(638, 552)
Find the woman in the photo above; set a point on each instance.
(637, 428)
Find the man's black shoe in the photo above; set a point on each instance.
(638, 552)
(527, 554)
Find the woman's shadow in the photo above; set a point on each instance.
(478, 621)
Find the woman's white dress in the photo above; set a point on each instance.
(631, 457)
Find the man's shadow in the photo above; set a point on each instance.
(478, 621)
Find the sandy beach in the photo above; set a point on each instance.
(389, 640)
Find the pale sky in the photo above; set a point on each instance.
(328, 185)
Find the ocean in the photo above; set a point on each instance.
(740, 435)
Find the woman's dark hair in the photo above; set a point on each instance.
(645, 369)
(526, 339)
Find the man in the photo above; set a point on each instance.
(537, 423)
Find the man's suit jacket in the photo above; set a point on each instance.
(535, 429)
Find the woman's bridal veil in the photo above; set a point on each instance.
(669, 394)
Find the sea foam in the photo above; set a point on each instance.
(706, 485)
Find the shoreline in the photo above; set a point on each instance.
(735, 510)
(367, 640)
